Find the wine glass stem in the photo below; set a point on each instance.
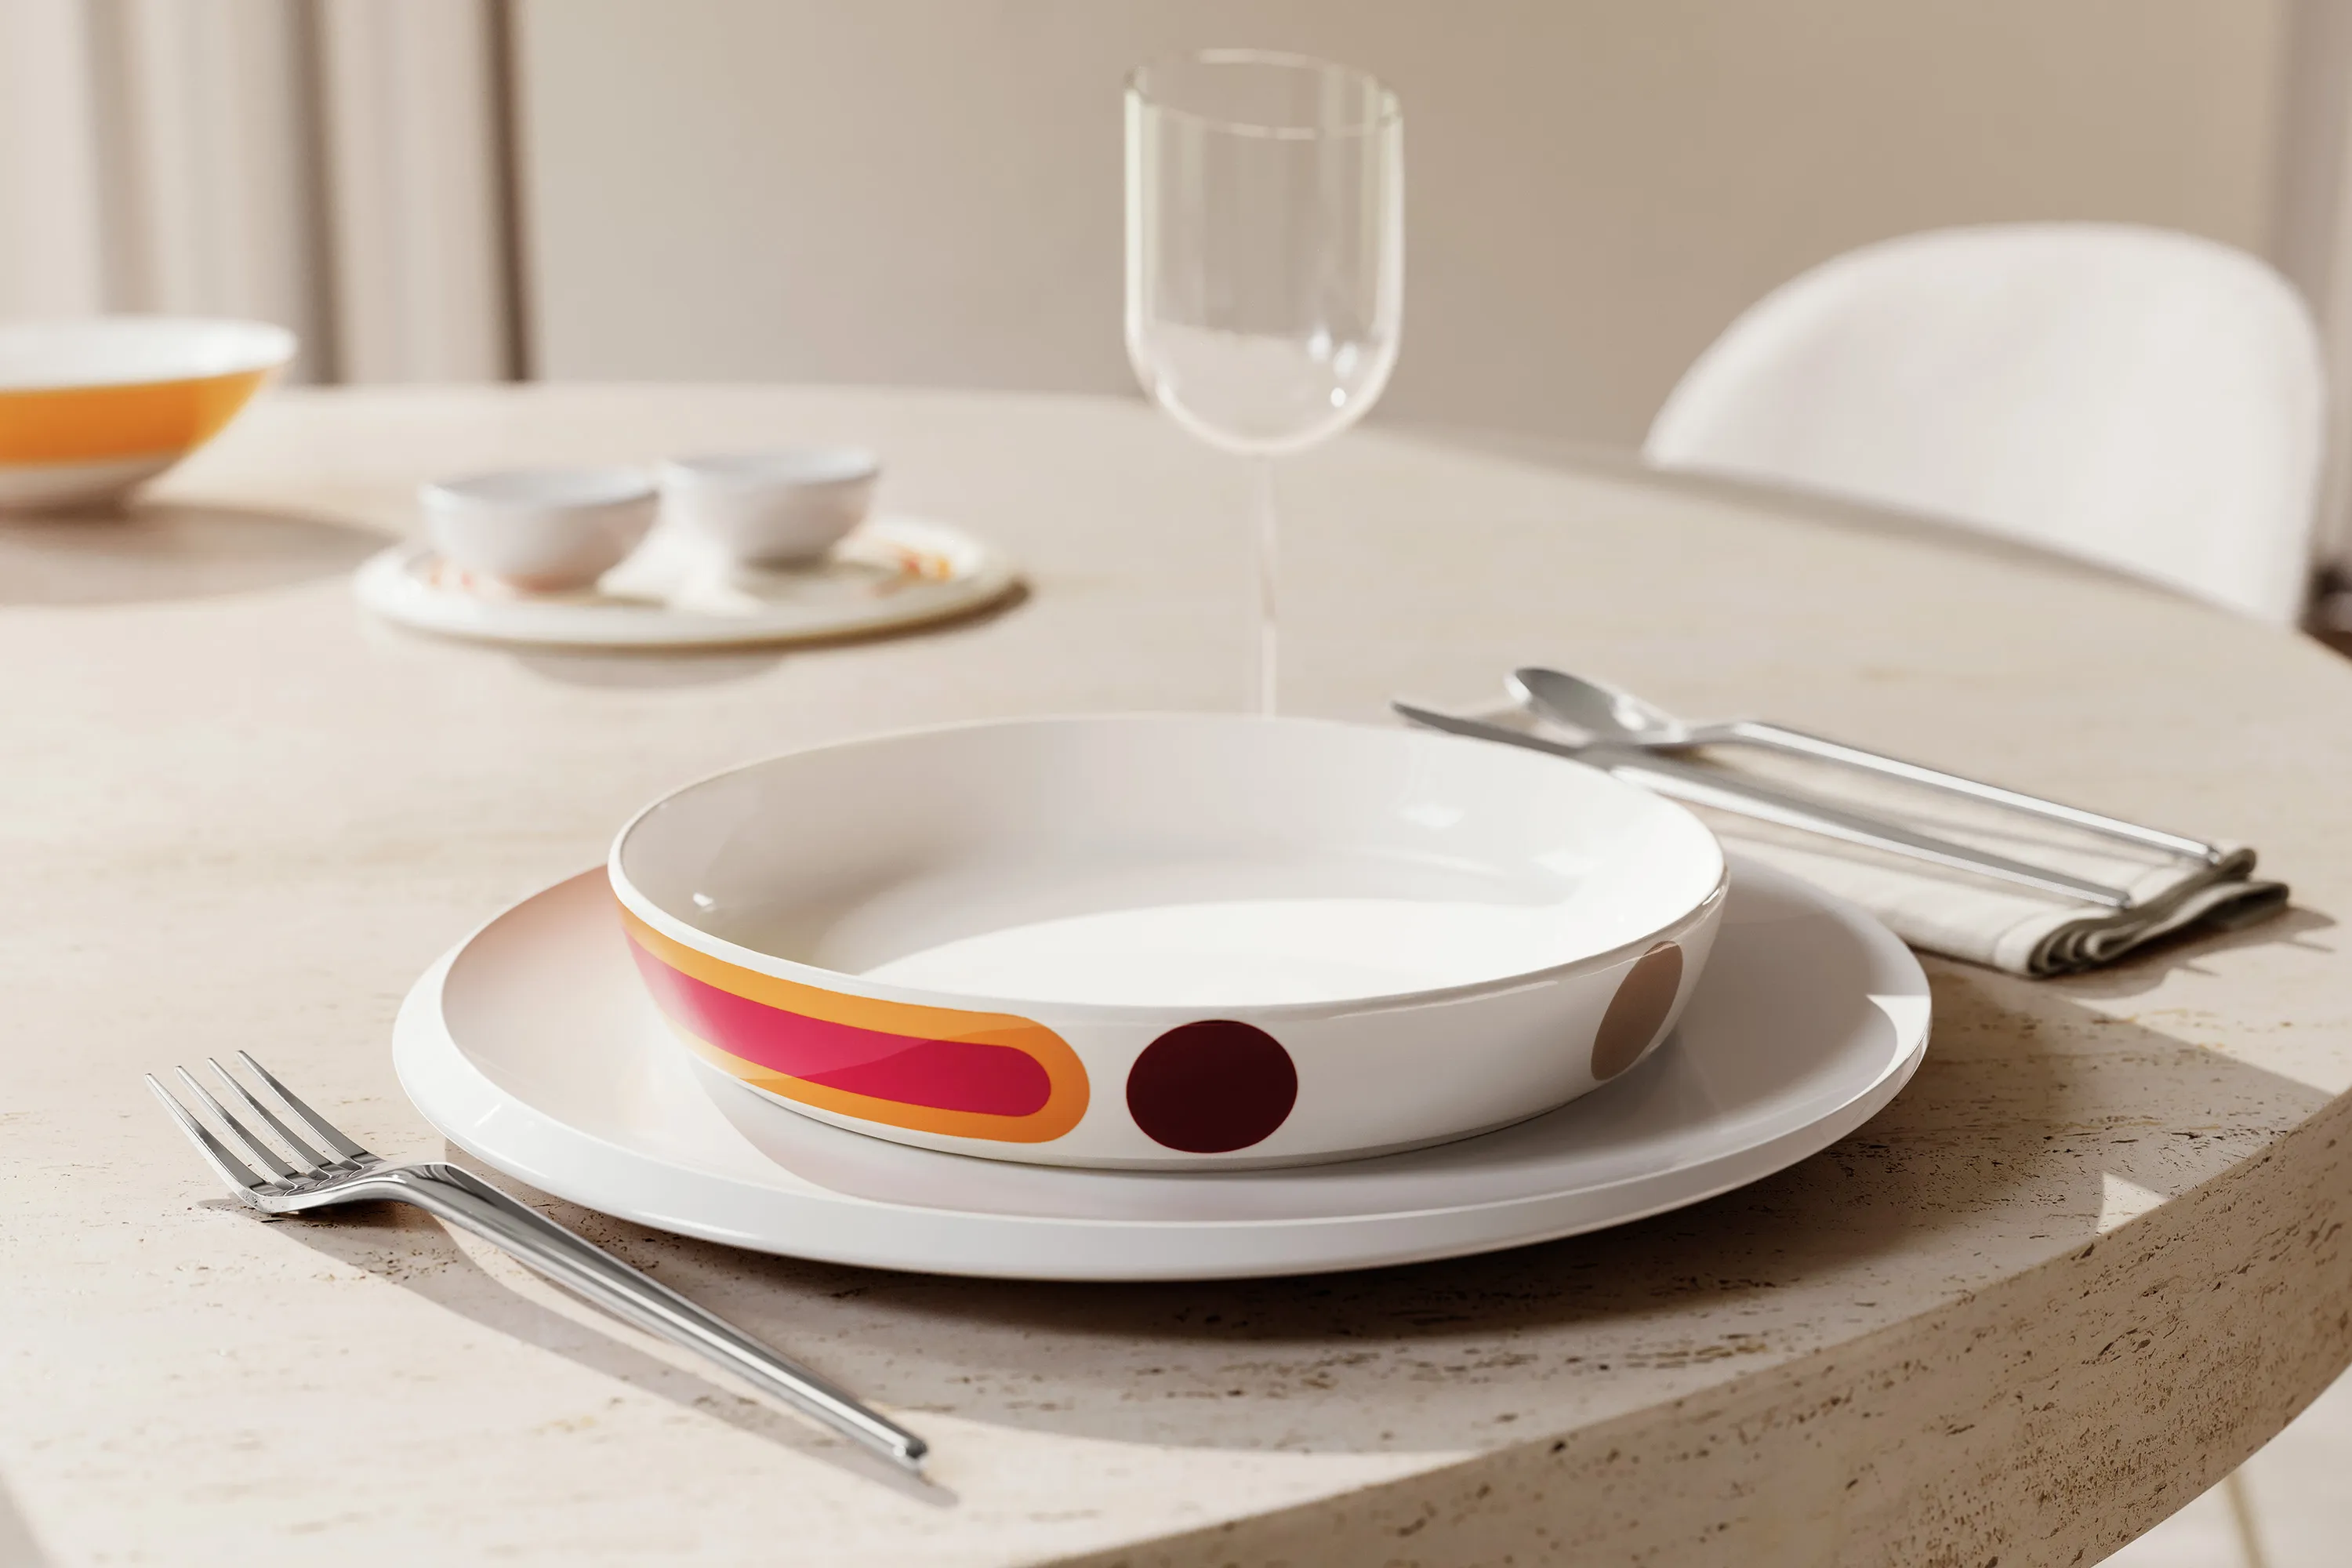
(1265, 586)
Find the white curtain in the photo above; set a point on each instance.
(337, 166)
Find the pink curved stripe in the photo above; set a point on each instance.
(944, 1075)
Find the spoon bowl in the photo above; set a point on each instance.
(1600, 710)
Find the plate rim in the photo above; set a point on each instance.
(380, 584)
(454, 1094)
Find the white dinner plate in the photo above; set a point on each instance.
(533, 1046)
(892, 573)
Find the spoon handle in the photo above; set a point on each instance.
(1707, 786)
(1756, 732)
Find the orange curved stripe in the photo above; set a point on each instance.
(1065, 1101)
(78, 423)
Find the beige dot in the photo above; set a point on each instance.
(1638, 1011)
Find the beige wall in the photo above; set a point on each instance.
(928, 190)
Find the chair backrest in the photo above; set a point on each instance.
(2148, 400)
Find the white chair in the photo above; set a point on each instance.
(2147, 400)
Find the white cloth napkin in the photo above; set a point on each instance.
(1976, 918)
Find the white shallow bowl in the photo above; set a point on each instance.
(771, 508)
(1169, 940)
(540, 531)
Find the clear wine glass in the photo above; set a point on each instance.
(1264, 258)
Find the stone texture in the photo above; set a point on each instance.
(2088, 1260)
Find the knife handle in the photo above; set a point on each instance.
(1725, 791)
(1703, 786)
(1781, 738)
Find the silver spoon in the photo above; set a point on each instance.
(1619, 718)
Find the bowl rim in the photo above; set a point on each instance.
(639, 903)
(631, 486)
(750, 469)
(273, 348)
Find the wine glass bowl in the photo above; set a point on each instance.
(1264, 258)
(1266, 255)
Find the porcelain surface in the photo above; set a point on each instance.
(771, 508)
(91, 408)
(540, 529)
(1168, 940)
(530, 1045)
(893, 574)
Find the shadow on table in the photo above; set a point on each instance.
(2031, 1122)
(170, 550)
(643, 670)
(2189, 952)
(18, 1548)
(717, 666)
(2029, 1117)
(401, 1244)
(1600, 461)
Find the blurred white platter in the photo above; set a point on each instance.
(533, 1046)
(892, 573)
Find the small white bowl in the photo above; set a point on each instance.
(771, 508)
(1169, 941)
(540, 530)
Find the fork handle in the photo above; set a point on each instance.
(461, 1198)
(1777, 738)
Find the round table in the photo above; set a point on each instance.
(2088, 1260)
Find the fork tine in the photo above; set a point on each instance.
(268, 1159)
(231, 1168)
(316, 1124)
(310, 1158)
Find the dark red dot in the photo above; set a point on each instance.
(1211, 1087)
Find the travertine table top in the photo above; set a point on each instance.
(2090, 1258)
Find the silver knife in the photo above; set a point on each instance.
(1709, 786)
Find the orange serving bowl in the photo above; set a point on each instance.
(90, 409)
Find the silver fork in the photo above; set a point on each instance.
(312, 1180)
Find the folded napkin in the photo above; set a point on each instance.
(1976, 918)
